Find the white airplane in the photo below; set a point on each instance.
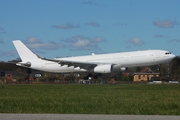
(101, 63)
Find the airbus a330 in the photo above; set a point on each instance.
(97, 63)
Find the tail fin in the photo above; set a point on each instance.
(25, 53)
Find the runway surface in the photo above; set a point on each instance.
(84, 117)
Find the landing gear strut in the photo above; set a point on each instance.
(90, 75)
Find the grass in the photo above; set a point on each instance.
(91, 99)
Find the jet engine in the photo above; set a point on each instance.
(108, 68)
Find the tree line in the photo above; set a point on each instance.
(170, 70)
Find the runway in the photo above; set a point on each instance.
(84, 117)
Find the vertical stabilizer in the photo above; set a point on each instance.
(25, 53)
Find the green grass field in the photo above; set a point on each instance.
(91, 99)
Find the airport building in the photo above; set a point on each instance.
(145, 75)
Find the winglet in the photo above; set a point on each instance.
(25, 53)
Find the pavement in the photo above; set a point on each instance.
(84, 117)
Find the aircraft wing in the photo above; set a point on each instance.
(84, 65)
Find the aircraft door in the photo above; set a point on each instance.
(126, 58)
(42, 65)
(157, 55)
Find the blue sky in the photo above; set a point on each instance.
(60, 28)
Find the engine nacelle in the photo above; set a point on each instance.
(118, 68)
(103, 69)
(109, 68)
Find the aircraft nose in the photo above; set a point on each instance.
(173, 56)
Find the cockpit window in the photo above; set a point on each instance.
(167, 53)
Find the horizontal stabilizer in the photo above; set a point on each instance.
(27, 64)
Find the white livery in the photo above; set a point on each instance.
(101, 63)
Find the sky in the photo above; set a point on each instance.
(61, 28)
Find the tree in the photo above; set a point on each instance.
(70, 78)
(138, 69)
(175, 68)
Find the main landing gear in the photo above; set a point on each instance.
(92, 76)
